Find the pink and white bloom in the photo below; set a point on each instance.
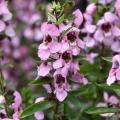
(44, 70)
(80, 78)
(114, 74)
(91, 8)
(78, 18)
(48, 48)
(108, 101)
(16, 106)
(117, 7)
(91, 57)
(49, 29)
(107, 29)
(60, 83)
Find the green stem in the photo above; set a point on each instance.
(56, 111)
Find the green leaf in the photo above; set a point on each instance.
(85, 68)
(117, 91)
(95, 1)
(111, 8)
(71, 17)
(105, 86)
(39, 106)
(108, 59)
(51, 18)
(56, 6)
(75, 101)
(61, 19)
(102, 110)
(114, 87)
(41, 81)
(83, 90)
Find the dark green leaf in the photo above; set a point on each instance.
(71, 17)
(60, 20)
(114, 87)
(75, 101)
(41, 81)
(39, 106)
(102, 110)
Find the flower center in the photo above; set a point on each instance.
(2, 115)
(71, 36)
(106, 27)
(66, 56)
(48, 39)
(60, 79)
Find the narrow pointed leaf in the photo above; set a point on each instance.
(102, 110)
(108, 59)
(41, 81)
(39, 106)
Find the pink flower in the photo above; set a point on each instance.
(114, 73)
(17, 101)
(90, 42)
(91, 57)
(3, 114)
(88, 18)
(116, 46)
(78, 17)
(74, 67)
(62, 50)
(4, 11)
(117, 7)
(58, 63)
(79, 78)
(39, 115)
(60, 83)
(91, 8)
(48, 88)
(108, 100)
(50, 29)
(10, 31)
(2, 26)
(48, 48)
(44, 69)
(107, 28)
(16, 106)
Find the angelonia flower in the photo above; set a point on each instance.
(91, 57)
(6, 16)
(58, 54)
(112, 101)
(104, 30)
(114, 74)
(16, 106)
